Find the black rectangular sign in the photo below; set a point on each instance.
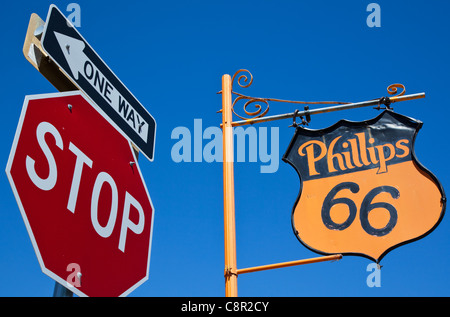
(73, 54)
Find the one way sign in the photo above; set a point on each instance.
(70, 51)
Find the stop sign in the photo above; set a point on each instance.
(81, 195)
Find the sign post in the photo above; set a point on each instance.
(228, 190)
(130, 116)
(258, 116)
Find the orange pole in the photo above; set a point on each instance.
(228, 190)
(291, 263)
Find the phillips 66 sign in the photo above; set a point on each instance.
(363, 192)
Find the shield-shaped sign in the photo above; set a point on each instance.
(363, 192)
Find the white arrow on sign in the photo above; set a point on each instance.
(80, 64)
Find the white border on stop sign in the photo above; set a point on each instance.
(22, 211)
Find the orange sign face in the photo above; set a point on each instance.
(362, 190)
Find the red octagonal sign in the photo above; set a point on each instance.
(82, 196)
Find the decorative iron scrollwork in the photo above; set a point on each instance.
(244, 77)
(392, 89)
(256, 102)
(261, 106)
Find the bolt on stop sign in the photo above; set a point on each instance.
(82, 196)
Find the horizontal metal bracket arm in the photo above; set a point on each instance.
(229, 271)
(335, 257)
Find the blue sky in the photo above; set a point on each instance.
(172, 55)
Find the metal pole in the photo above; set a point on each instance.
(334, 257)
(327, 109)
(228, 190)
(33, 52)
(61, 291)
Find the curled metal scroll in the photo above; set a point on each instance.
(392, 89)
(256, 102)
(261, 105)
(244, 79)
